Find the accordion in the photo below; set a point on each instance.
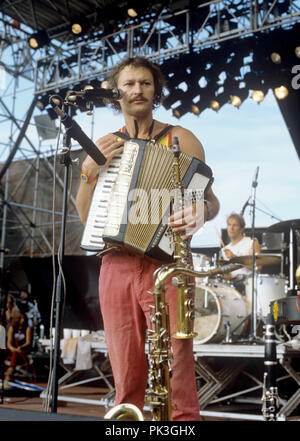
(133, 197)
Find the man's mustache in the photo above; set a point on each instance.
(138, 98)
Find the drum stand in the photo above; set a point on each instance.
(292, 261)
(253, 330)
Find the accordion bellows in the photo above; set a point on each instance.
(133, 196)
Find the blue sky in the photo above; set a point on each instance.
(235, 141)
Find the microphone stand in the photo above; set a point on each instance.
(253, 329)
(65, 159)
(72, 130)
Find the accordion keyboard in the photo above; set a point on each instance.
(92, 236)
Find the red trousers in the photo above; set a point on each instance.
(124, 282)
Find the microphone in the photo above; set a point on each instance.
(254, 183)
(244, 207)
(77, 133)
(98, 93)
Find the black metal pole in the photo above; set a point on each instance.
(59, 297)
(254, 297)
(20, 137)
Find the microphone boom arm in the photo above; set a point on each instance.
(74, 131)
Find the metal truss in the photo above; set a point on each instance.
(30, 175)
(62, 64)
(164, 37)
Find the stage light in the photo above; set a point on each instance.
(281, 92)
(40, 105)
(176, 113)
(214, 105)
(195, 109)
(78, 26)
(38, 39)
(258, 96)
(33, 43)
(297, 51)
(235, 101)
(276, 58)
(42, 102)
(132, 12)
(136, 8)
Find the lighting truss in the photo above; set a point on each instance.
(166, 36)
(158, 37)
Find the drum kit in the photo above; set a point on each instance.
(225, 315)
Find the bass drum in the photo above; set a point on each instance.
(269, 287)
(220, 312)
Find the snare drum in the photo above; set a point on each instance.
(269, 287)
(219, 310)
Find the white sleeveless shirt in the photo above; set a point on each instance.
(242, 248)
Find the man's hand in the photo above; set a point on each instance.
(188, 221)
(109, 145)
(228, 253)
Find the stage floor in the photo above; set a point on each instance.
(69, 408)
(36, 406)
(233, 399)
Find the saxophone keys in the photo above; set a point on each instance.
(175, 281)
(190, 304)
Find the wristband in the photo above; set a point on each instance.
(86, 179)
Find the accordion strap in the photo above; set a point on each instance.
(107, 250)
(163, 132)
(122, 135)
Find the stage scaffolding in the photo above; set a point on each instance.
(30, 172)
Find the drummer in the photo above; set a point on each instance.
(240, 245)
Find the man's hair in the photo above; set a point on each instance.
(238, 218)
(158, 77)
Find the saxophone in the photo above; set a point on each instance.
(182, 257)
(159, 334)
(160, 350)
(160, 356)
(124, 411)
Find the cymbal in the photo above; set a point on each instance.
(285, 226)
(260, 259)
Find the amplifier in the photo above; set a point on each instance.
(286, 310)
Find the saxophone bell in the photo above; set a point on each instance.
(124, 411)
